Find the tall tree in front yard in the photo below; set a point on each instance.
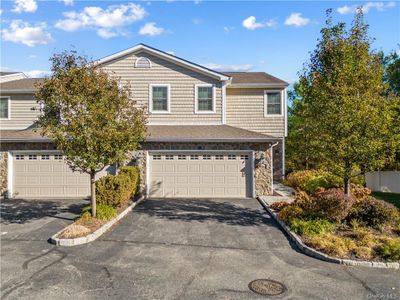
(347, 108)
(88, 116)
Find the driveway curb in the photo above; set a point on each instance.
(322, 256)
(95, 235)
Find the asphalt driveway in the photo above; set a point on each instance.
(180, 249)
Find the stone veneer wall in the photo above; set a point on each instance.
(3, 173)
(262, 152)
(278, 161)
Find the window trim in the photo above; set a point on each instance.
(196, 102)
(168, 86)
(8, 108)
(266, 92)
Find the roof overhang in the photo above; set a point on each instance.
(166, 56)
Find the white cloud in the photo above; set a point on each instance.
(228, 29)
(379, 6)
(67, 2)
(24, 33)
(295, 19)
(25, 6)
(251, 23)
(107, 22)
(37, 73)
(151, 29)
(235, 68)
(1, 12)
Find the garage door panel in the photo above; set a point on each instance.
(199, 175)
(47, 176)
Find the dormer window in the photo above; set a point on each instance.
(142, 62)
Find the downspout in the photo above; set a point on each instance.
(272, 165)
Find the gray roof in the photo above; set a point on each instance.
(8, 73)
(165, 133)
(242, 78)
(26, 84)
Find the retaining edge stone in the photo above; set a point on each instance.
(94, 235)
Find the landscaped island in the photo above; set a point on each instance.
(355, 226)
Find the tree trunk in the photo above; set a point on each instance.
(93, 193)
(347, 190)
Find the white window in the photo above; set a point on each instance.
(58, 157)
(194, 157)
(32, 157)
(156, 157)
(219, 157)
(4, 107)
(206, 157)
(181, 157)
(142, 62)
(169, 157)
(245, 157)
(231, 157)
(45, 157)
(273, 103)
(204, 98)
(159, 101)
(19, 157)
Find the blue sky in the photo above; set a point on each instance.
(275, 37)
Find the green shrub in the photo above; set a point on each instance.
(390, 249)
(332, 244)
(333, 204)
(312, 180)
(134, 175)
(104, 212)
(311, 227)
(290, 212)
(373, 212)
(113, 190)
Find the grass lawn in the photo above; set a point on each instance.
(393, 198)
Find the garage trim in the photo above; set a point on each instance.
(250, 152)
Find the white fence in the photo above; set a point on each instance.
(384, 181)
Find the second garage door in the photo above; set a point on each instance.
(200, 175)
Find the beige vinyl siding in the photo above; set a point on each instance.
(182, 88)
(23, 111)
(245, 109)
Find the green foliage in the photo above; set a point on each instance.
(93, 121)
(134, 174)
(390, 249)
(332, 244)
(312, 180)
(290, 212)
(393, 198)
(116, 191)
(311, 227)
(392, 71)
(344, 113)
(373, 212)
(104, 212)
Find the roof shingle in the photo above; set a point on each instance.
(26, 84)
(254, 78)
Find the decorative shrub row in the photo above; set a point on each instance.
(117, 191)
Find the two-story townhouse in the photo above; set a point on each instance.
(210, 134)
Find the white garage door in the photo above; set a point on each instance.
(47, 175)
(200, 175)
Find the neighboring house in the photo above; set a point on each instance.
(211, 134)
(10, 76)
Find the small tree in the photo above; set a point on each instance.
(88, 116)
(347, 107)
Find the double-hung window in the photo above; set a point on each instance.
(159, 98)
(205, 98)
(4, 107)
(273, 103)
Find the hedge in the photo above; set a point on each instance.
(117, 190)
